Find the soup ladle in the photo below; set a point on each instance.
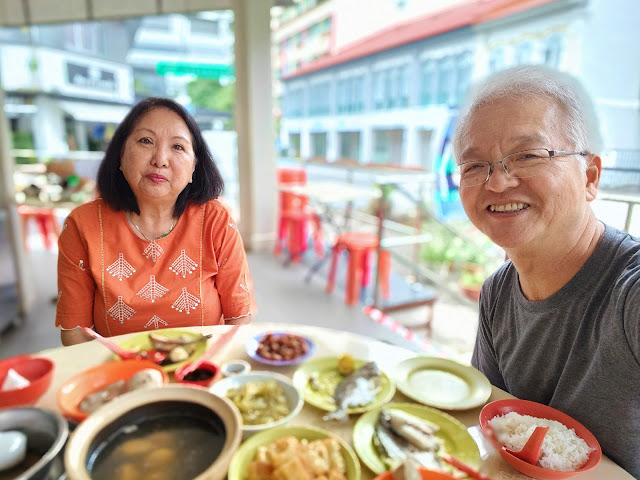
(153, 355)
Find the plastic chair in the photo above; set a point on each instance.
(360, 246)
(45, 219)
(294, 217)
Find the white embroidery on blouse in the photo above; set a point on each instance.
(152, 290)
(121, 311)
(183, 265)
(120, 268)
(156, 321)
(185, 301)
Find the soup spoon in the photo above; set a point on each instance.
(153, 355)
(532, 450)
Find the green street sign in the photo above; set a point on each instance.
(200, 70)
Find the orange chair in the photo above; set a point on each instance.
(46, 221)
(360, 247)
(294, 216)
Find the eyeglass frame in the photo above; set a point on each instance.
(552, 153)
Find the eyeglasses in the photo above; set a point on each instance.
(527, 163)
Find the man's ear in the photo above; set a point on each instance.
(594, 170)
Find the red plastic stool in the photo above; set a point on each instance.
(45, 218)
(294, 231)
(294, 217)
(360, 246)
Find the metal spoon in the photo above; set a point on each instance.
(153, 355)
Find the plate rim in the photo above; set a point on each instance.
(361, 423)
(475, 378)
(172, 367)
(300, 380)
(256, 440)
(251, 347)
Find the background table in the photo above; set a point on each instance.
(71, 360)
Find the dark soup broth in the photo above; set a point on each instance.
(29, 461)
(172, 446)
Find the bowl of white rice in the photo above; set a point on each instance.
(568, 448)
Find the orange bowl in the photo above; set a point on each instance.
(539, 410)
(39, 372)
(75, 389)
(425, 474)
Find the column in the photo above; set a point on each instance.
(366, 145)
(254, 124)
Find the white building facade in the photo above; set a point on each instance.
(395, 102)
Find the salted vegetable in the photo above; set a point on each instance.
(260, 402)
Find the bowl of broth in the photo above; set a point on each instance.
(175, 432)
(46, 433)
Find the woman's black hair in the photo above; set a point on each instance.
(114, 189)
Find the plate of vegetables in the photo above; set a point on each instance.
(181, 346)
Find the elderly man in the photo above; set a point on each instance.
(560, 320)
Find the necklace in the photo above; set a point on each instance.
(157, 238)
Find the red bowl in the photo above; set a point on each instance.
(75, 389)
(207, 368)
(425, 474)
(39, 372)
(534, 409)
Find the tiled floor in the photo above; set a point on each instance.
(282, 296)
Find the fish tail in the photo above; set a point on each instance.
(338, 414)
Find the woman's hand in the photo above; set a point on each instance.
(71, 337)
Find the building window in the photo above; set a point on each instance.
(446, 85)
(523, 53)
(427, 82)
(496, 59)
(319, 144)
(350, 145)
(378, 90)
(319, 99)
(464, 63)
(85, 36)
(553, 51)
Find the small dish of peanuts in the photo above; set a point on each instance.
(280, 348)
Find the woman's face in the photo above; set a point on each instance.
(157, 159)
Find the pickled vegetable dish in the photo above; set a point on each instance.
(260, 402)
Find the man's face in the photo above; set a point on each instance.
(530, 213)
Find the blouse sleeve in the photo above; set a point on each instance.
(76, 287)
(233, 280)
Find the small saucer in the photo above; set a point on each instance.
(234, 367)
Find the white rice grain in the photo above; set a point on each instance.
(562, 449)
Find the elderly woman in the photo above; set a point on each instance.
(157, 249)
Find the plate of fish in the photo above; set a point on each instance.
(442, 383)
(343, 385)
(287, 452)
(279, 348)
(181, 346)
(383, 437)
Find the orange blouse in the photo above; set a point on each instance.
(111, 279)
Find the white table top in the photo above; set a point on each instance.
(71, 360)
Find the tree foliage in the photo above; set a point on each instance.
(210, 93)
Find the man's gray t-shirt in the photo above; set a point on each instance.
(578, 350)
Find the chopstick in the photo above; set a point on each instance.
(463, 467)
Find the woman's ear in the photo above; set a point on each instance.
(594, 170)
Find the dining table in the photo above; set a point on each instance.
(327, 342)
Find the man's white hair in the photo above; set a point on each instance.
(580, 122)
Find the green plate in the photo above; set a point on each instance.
(442, 383)
(247, 451)
(457, 440)
(142, 342)
(326, 369)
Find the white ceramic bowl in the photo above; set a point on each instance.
(142, 405)
(294, 398)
